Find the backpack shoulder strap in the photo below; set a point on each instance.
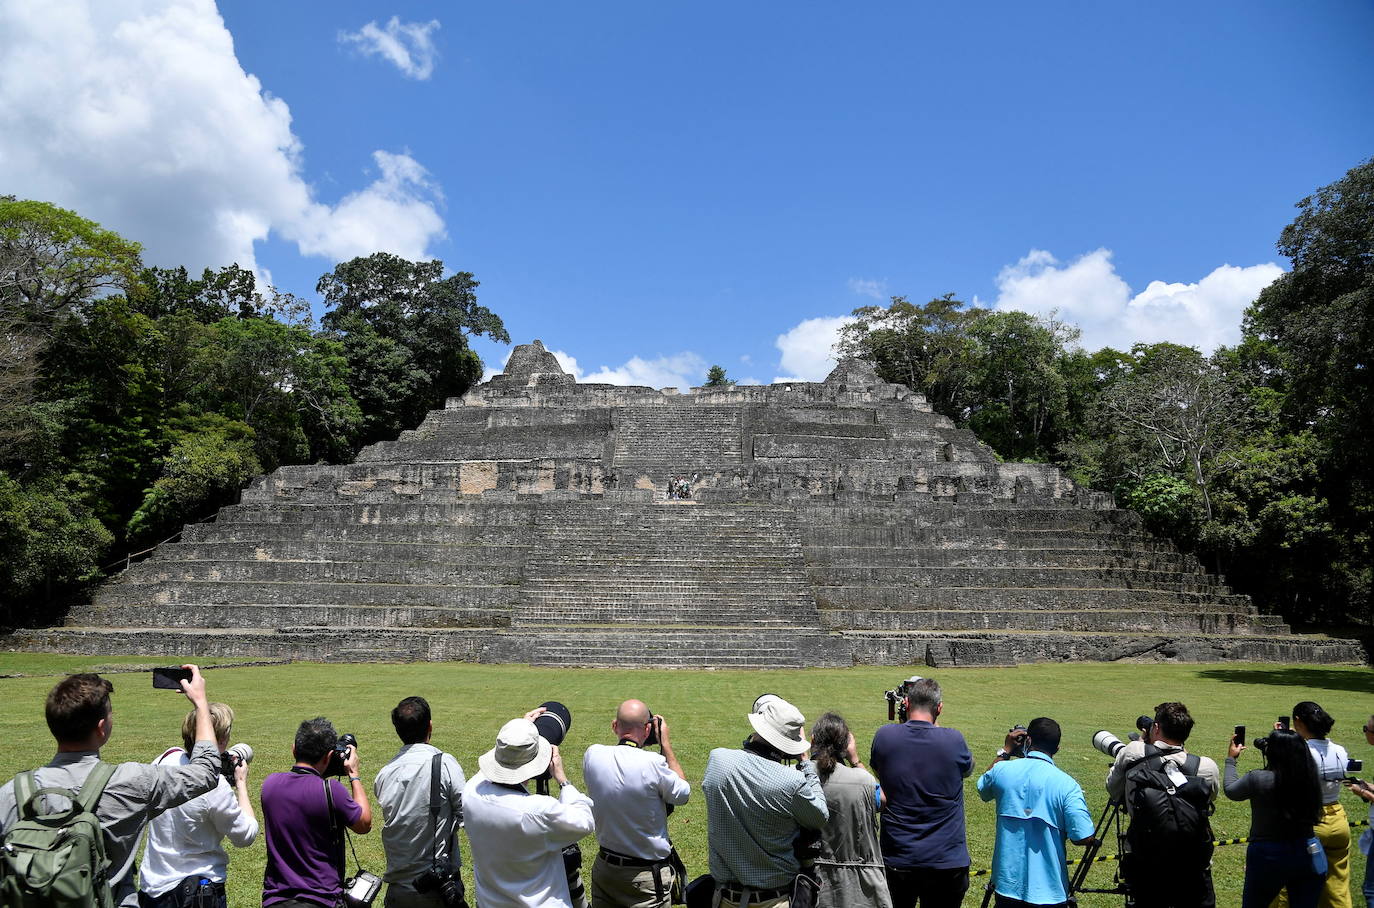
(1151, 753)
(1191, 764)
(94, 786)
(24, 786)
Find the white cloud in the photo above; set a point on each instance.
(868, 287)
(680, 370)
(138, 114)
(808, 349)
(1089, 293)
(407, 45)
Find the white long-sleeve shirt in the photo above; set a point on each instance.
(188, 840)
(517, 842)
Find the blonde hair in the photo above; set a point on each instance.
(221, 717)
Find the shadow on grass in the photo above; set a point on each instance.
(1359, 681)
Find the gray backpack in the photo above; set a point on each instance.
(56, 859)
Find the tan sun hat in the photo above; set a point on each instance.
(780, 724)
(520, 754)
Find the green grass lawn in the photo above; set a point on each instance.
(706, 710)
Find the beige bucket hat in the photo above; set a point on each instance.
(520, 754)
(780, 724)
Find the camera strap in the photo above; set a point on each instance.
(338, 832)
(434, 795)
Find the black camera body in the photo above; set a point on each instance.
(1023, 741)
(896, 699)
(651, 740)
(448, 884)
(340, 753)
(231, 759)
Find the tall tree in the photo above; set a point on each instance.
(925, 347)
(1186, 414)
(405, 329)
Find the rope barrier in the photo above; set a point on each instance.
(1104, 858)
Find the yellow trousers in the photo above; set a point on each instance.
(1334, 833)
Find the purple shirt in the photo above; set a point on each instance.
(922, 768)
(304, 846)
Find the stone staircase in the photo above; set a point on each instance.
(835, 523)
(655, 444)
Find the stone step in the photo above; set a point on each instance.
(237, 532)
(289, 548)
(313, 572)
(1014, 576)
(939, 649)
(626, 647)
(1137, 620)
(971, 556)
(279, 615)
(221, 592)
(908, 598)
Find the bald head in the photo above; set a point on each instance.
(632, 721)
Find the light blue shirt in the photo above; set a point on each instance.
(1038, 806)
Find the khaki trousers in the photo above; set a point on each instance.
(628, 887)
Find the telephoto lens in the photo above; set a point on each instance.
(1108, 743)
(231, 758)
(553, 725)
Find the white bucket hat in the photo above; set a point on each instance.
(780, 724)
(520, 754)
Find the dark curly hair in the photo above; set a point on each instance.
(829, 743)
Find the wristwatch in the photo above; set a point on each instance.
(1003, 753)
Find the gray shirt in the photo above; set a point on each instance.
(754, 809)
(137, 792)
(402, 788)
(1267, 821)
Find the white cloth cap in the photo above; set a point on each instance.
(780, 724)
(520, 754)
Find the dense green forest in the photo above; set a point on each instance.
(134, 400)
(1257, 458)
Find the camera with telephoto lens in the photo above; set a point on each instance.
(896, 699)
(1111, 745)
(448, 884)
(233, 758)
(360, 890)
(339, 754)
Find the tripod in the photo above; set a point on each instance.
(1108, 823)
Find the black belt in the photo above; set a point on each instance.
(734, 892)
(616, 859)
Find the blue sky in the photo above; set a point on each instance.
(655, 187)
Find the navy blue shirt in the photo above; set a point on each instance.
(922, 768)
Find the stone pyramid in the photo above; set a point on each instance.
(829, 523)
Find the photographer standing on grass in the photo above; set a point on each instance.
(81, 718)
(421, 843)
(517, 837)
(922, 768)
(1038, 805)
(756, 806)
(305, 815)
(632, 790)
(1285, 804)
(184, 844)
(1333, 829)
(1166, 866)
